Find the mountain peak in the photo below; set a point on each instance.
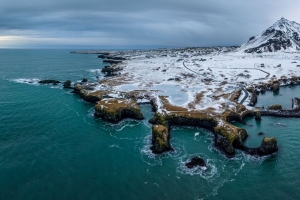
(283, 19)
(283, 35)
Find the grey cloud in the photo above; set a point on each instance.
(136, 23)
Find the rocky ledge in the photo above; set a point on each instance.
(112, 70)
(114, 110)
(228, 137)
(278, 111)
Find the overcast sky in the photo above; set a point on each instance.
(115, 24)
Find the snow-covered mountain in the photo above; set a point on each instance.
(283, 36)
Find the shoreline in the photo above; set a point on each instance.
(154, 75)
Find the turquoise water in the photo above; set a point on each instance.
(283, 97)
(51, 146)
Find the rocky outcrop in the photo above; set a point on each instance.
(275, 87)
(111, 70)
(84, 80)
(112, 61)
(86, 91)
(114, 110)
(257, 116)
(160, 139)
(109, 57)
(295, 104)
(226, 135)
(195, 162)
(225, 145)
(253, 99)
(67, 84)
(268, 146)
(49, 81)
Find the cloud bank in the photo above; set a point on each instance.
(117, 24)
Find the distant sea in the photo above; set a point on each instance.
(51, 146)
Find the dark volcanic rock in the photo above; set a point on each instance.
(196, 161)
(225, 145)
(49, 81)
(260, 133)
(67, 84)
(111, 70)
(84, 80)
(112, 61)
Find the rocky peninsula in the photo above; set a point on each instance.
(188, 87)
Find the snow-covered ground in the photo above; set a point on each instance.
(185, 73)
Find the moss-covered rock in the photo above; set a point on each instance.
(275, 107)
(114, 110)
(268, 146)
(86, 91)
(158, 119)
(160, 139)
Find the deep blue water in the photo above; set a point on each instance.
(51, 146)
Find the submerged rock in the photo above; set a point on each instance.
(260, 133)
(160, 139)
(114, 110)
(196, 161)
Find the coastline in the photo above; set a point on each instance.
(164, 106)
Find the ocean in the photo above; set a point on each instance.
(52, 147)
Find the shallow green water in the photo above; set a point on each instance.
(51, 146)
